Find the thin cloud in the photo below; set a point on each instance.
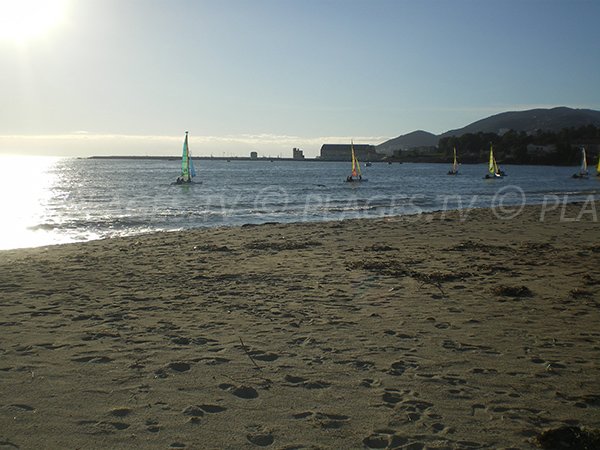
(84, 143)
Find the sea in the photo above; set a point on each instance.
(46, 200)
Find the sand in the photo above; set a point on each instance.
(452, 330)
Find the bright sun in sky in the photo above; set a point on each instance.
(21, 20)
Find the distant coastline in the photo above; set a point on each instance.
(276, 158)
(424, 159)
(215, 158)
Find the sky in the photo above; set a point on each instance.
(129, 77)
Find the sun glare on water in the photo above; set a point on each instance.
(21, 20)
(26, 186)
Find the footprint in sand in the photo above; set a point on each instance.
(120, 412)
(263, 356)
(152, 426)
(258, 435)
(212, 409)
(92, 359)
(103, 427)
(392, 396)
(414, 409)
(399, 367)
(369, 383)
(177, 366)
(477, 409)
(305, 383)
(384, 439)
(193, 411)
(358, 364)
(85, 317)
(295, 381)
(119, 425)
(213, 361)
(7, 445)
(246, 392)
(318, 384)
(483, 371)
(19, 407)
(409, 408)
(323, 420)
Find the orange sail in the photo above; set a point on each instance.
(355, 165)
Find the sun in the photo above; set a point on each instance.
(21, 20)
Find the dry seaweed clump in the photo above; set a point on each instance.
(380, 248)
(513, 291)
(572, 438)
(282, 245)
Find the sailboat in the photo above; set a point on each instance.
(454, 170)
(356, 173)
(188, 171)
(598, 167)
(493, 169)
(583, 172)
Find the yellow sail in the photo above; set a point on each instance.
(492, 168)
(598, 166)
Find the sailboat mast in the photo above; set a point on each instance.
(188, 159)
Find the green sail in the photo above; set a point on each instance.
(185, 160)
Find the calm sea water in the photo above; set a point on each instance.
(58, 200)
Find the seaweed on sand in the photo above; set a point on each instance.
(572, 438)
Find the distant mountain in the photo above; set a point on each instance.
(417, 138)
(530, 121)
(554, 119)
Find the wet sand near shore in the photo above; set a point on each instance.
(454, 330)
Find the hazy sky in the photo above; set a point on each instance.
(130, 76)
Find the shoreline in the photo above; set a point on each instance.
(361, 333)
(589, 206)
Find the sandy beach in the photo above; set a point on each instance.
(456, 330)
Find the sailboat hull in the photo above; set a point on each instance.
(187, 183)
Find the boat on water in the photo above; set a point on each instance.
(356, 175)
(188, 171)
(598, 167)
(583, 172)
(493, 169)
(454, 169)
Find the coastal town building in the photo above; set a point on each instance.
(297, 153)
(343, 152)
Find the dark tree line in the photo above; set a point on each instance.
(551, 148)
